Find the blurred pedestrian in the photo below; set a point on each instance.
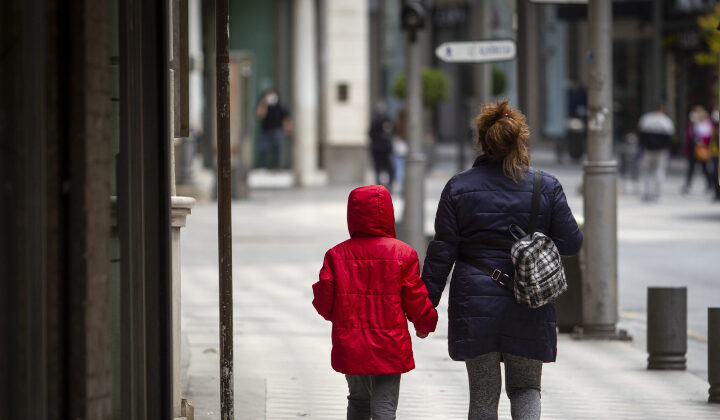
(381, 146)
(487, 325)
(698, 135)
(400, 150)
(656, 130)
(630, 156)
(368, 285)
(275, 123)
(714, 154)
(576, 123)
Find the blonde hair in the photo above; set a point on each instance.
(701, 113)
(502, 135)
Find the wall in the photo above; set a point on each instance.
(252, 28)
(346, 42)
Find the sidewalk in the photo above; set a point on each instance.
(282, 347)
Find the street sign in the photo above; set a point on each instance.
(560, 1)
(476, 51)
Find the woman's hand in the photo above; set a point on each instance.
(421, 335)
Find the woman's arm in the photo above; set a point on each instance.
(564, 230)
(442, 251)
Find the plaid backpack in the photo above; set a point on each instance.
(539, 274)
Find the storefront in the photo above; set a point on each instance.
(85, 224)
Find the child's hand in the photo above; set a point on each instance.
(421, 335)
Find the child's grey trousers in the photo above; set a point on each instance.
(522, 385)
(372, 396)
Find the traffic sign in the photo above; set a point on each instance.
(476, 51)
(560, 1)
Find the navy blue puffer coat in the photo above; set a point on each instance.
(483, 316)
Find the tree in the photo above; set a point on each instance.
(499, 81)
(708, 26)
(436, 86)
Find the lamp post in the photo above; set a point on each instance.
(600, 301)
(413, 20)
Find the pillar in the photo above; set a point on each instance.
(346, 90)
(180, 209)
(305, 93)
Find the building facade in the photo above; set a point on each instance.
(85, 224)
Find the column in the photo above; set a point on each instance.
(305, 93)
(180, 209)
(346, 90)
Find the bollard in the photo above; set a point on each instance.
(569, 304)
(714, 354)
(666, 327)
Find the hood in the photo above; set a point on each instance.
(370, 212)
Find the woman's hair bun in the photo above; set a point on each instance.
(501, 110)
(503, 134)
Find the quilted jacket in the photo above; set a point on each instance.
(369, 286)
(483, 316)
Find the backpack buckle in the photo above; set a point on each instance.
(496, 276)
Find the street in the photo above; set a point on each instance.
(116, 116)
(282, 362)
(673, 243)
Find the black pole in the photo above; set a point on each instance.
(713, 352)
(222, 58)
(461, 139)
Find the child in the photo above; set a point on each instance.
(368, 284)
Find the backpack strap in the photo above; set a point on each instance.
(494, 273)
(535, 205)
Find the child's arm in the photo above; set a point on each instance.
(324, 291)
(415, 300)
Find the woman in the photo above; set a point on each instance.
(699, 133)
(486, 324)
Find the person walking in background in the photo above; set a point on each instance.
(656, 130)
(714, 176)
(714, 152)
(275, 123)
(697, 146)
(381, 146)
(487, 325)
(369, 287)
(400, 149)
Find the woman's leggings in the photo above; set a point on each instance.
(522, 378)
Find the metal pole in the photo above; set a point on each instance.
(413, 211)
(528, 63)
(713, 352)
(657, 54)
(522, 60)
(222, 57)
(600, 307)
(666, 327)
(480, 30)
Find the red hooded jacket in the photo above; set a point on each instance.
(368, 285)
